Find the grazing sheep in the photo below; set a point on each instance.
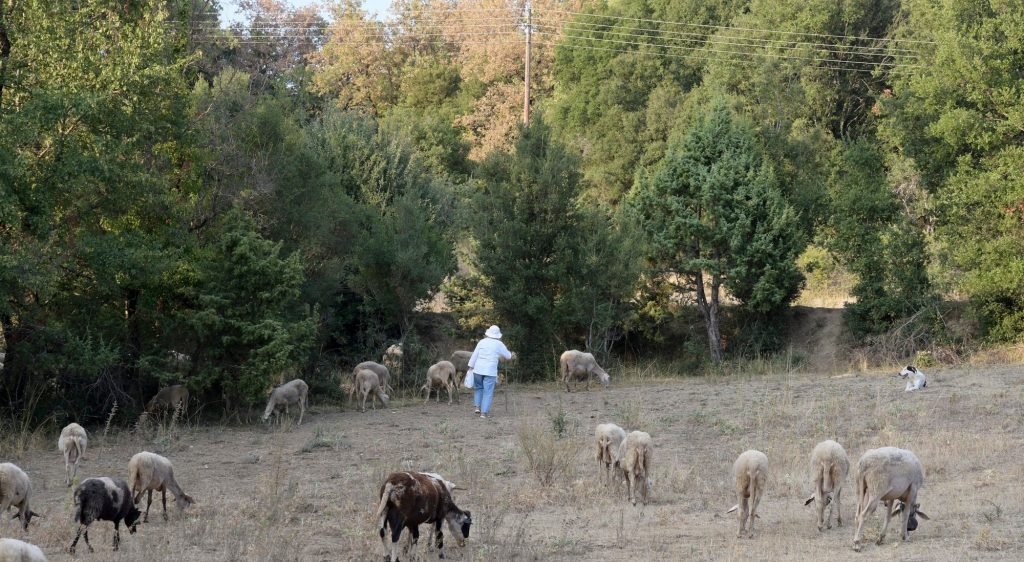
(383, 374)
(751, 472)
(104, 499)
(150, 471)
(608, 437)
(917, 383)
(410, 499)
(13, 550)
(888, 474)
(577, 365)
(291, 392)
(393, 358)
(365, 383)
(441, 374)
(461, 361)
(16, 491)
(634, 460)
(829, 467)
(72, 443)
(168, 399)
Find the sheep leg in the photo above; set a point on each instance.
(117, 535)
(363, 408)
(163, 498)
(911, 499)
(839, 507)
(426, 397)
(302, 409)
(865, 507)
(82, 528)
(149, 502)
(885, 522)
(743, 515)
(754, 500)
(632, 487)
(451, 389)
(396, 533)
(67, 472)
(439, 538)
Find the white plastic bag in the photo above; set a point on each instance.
(468, 381)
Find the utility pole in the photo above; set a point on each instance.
(529, 41)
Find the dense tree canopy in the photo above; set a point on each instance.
(292, 192)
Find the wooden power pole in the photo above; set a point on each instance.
(529, 41)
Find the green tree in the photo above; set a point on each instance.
(957, 119)
(713, 216)
(537, 248)
(876, 242)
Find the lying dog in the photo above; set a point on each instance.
(918, 382)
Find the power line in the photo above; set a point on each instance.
(729, 52)
(572, 24)
(733, 28)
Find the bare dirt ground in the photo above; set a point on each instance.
(308, 493)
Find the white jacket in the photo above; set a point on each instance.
(486, 356)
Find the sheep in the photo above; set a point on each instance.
(16, 491)
(577, 365)
(608, 437)
(104, 499)
(409, 499)
(168, 400)
(13, 550)
(461, 361)
(441, 374)
(634, 461)
(291, 392)
(888, 474)
(365, 383)
(829, 466)
(72, 443)
(917, 383)
(150, 471)
(383, 374)
(393, 358)
(751, 472)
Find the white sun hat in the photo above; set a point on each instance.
(493, 332)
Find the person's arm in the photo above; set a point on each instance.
(504, 352)
(472, 358)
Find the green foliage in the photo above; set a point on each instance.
(248, 321)
(958, 119)
(876, 243)
(537, 248)
(712, 210)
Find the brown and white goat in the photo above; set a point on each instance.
(410, 499)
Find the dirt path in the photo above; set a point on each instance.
(306, 494)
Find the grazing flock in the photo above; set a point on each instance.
(408, 499)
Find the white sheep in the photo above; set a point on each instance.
(917, 383)
(577, 365)
(169, 399)
(441, 375)
(634, 461)
(461, 361)
(72, 443)
(751, 472)
(383, 374)
(291, 392)
(13, 550)
(365, 383)
(608, 438)
(150, 471)
(888, 475)
(829, 467)
(393, 358)
(16, 491)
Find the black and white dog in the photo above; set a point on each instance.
(918, 382)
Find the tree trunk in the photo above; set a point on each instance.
(710, 312)
(5, 48)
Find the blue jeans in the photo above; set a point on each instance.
(484, 391)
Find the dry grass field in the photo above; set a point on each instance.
(307, 493)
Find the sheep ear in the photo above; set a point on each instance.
(733, 508)
(809, 500)
(922, 515)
